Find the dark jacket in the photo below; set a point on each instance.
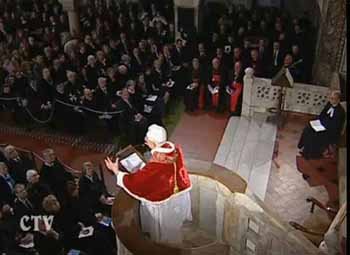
(91, 191)
(6, 194)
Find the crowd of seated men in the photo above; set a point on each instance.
(127, 53)
(52, 191)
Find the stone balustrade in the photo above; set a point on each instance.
(259, 95)
(233, 219)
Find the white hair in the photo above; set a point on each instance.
(30, 173)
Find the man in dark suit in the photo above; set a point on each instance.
(22, 205)
(92, 190)
(36, 189)
(6, 185)
(276, 59)
(132, 123)
(18, 165)
(312, 143)
(54, 174)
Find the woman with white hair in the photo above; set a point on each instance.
(162, 186)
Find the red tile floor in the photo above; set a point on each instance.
(287, 190)
(200, 134)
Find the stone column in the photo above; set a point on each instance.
(247, 92)
(331, 42)
(71, 7)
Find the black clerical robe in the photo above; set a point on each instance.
(56, 177)
(315, 143)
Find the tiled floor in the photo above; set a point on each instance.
(287, 190)
(200, 134)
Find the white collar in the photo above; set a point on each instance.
(160, 149)
(330, 111)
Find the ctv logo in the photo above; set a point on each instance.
(26, 222)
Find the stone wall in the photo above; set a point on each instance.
(332, 35)
(242, 222)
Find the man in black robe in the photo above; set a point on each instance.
(312, 143)
(54, 174)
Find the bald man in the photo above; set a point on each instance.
(312, 143)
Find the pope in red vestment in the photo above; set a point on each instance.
(162, 186)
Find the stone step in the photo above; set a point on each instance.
(237, 144)
(199, 242)
(261, 167)
(248, 145)
(226, 141)
(248, 151)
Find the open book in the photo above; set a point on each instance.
(106, 221)
(317, 125)
(130, 160)
(213, 90)
(132, 163)
(151, 98)
(190, 86)
(229, 90)
(289, 77)
(86, 232)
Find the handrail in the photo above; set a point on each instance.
(37, 156)
(314, 202)
(301, 228)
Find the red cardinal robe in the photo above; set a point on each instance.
(163, 177)
(215, 82)
(236, 93)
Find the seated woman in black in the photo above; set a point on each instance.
(312, 143)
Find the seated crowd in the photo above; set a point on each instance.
(126, 65)
(52, 191)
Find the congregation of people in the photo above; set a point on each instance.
(126, 66)
(127, 70)
(75, 203)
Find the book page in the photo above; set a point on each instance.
(151, 98)
(190, 87)
(132, 163)
(289, 78)
(317, 125)
(85, 232)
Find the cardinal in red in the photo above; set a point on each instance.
(162, 186)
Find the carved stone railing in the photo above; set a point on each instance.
(259, 95)
(222, 207)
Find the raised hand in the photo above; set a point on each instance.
(113, 167)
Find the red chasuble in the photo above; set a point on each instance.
(236, 92)
(163, 177)
(216, 80)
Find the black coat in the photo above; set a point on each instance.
(91, 191)
(18, 169)
(56, 177)
(36, 194)
(21, 209)
(333, 124)
(6, 194)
